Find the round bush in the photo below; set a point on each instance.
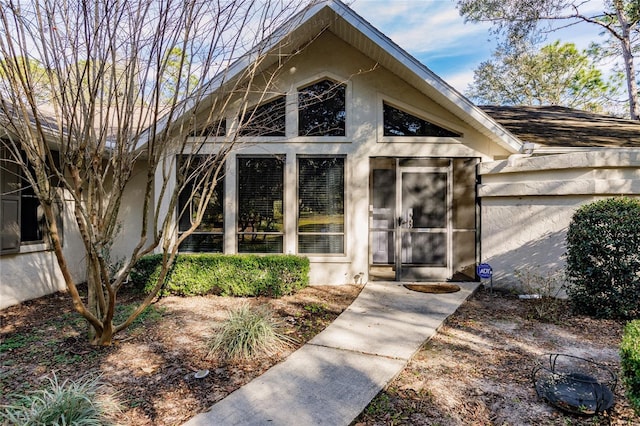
(603, 259)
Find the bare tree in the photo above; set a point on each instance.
(620, 20)
(122, 97)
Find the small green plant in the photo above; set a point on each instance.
(630, 362)
(603, 263)
(66, 403)
(248, 332)
(546, 287)
(315, 308)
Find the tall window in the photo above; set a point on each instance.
(321, 205)
(21, 217)
(208, 236)
(265, 120)
(322, 109)
(260, 203)
(401, 123)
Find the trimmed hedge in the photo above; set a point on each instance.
(226, 275)
(603, 259)
(630, 362)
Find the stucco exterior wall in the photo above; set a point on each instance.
(34, 272)
(367, 86)
(527, 204)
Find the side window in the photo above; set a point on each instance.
(401, 123)
(260, 204)
(22, 220)
(321, 205)
(265, 120)
(9, 204)
(322, 109)
(208, 236)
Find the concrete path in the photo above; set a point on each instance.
(332, 378)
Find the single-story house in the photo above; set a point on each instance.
(366, 162)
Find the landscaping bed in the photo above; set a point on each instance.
(477, 368)
(151, 366)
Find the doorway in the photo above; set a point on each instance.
(412, 232)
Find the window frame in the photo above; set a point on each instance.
(344, 209)
(220, 186)
(346, 83)
(240, 129)
(241, 234)
(18, 196)
(423, 115)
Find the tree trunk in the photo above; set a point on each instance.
(629, 67)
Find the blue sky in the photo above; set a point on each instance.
(434, 32)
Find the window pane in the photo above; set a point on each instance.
(328, 244)
(321, 109)
(265, 120)
(218, 128)
(401, 123)
(321, 205)
(202, 242)
(260, 202)
(208, 235)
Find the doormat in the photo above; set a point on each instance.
(433, 288)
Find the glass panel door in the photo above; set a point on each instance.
(423, 240)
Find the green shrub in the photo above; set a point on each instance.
(248, 332)
(227, 275)
(630, 362)
(66, 403)
(603, 259)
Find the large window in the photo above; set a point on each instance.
(322, 109)
(321, 205)
(401, 123)
(260, 203)
(22, 220)
(265, 120)
(208, 236)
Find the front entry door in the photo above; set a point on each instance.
(411, 219)
(423, 224)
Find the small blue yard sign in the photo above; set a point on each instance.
(484, 271)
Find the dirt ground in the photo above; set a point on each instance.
(475, 371)
(151, 367)
(478, 369)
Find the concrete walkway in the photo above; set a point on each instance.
(332, 378)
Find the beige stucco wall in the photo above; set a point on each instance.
(527, 204)
(34, 272)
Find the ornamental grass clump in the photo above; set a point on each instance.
(75, 403)
(248, 333)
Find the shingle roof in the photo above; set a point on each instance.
(557, 127)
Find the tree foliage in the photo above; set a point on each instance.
(117, 75)
(519, 20)
(556, 74)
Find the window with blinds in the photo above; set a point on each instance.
(260, 204)
(208, 236)
(321, 205)
(322, 109)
